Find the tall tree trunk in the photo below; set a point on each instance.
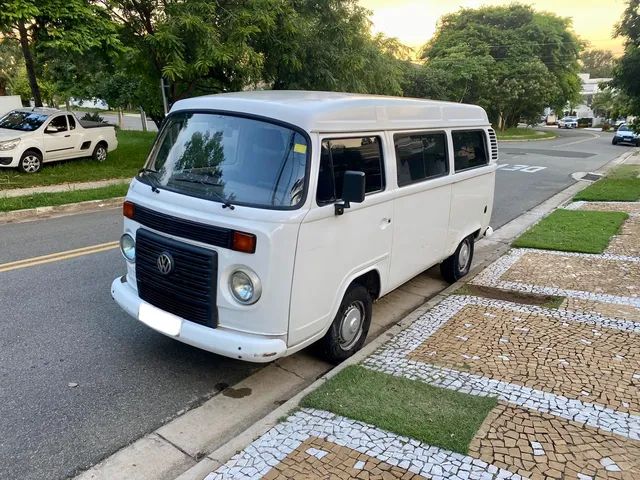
(28, 62)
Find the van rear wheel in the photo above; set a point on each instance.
(350, 325)
(458, 265)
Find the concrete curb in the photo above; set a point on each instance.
(64, 187)
(39, 213)
(528, 139)
(181, 445)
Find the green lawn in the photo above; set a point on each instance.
(573, 231)
(621, 184)
(61, 198)
(124, 162)
(436, 416)
(518, 133)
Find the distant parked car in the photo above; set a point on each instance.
(625, 134)
(568, 122)
(30, 137)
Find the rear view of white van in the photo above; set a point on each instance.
(268, 221)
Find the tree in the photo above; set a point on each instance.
(10, 64)
(512, 60)
(627, 71)
(327, 45)
(54, 27)
(198, 47)
(598, 63)
(611, 103)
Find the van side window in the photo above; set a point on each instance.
(420, 156)
(361, 154)
(469, 149)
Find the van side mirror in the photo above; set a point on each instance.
(352, 190)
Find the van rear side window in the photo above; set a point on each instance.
(420, 156)
(470, 150)
(361, 154)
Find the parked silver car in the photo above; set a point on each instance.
(625, 134)
(568, 122)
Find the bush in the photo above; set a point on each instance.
(93, 117)
(606, 126)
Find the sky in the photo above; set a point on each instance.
(413, 22)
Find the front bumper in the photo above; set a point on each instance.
(629, 140)
(8, 160)
(233, 344)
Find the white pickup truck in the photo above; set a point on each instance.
(30, 137)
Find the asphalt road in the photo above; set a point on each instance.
(80, 379)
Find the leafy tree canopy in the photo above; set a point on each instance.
(55, 28)
(627, 72)
(598, 63)
(512, 60)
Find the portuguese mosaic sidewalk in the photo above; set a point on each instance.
(567, 379)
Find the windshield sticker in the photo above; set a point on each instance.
(300, 148)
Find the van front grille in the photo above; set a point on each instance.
(189, 289)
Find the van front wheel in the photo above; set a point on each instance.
(350, 326)
(458, 265)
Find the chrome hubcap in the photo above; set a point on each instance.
(351, 325)
(463, 256)
(31, 163)
(101, 154)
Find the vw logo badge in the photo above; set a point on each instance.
(165, 263)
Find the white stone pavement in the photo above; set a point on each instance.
(434, 463)
(392, 359)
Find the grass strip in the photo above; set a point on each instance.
(519, 133)
(573, 231)
(433, 415)
(125, 161)
(61, 198)
(620, 185)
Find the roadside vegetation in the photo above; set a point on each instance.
(436, 416)
(573, 231)
(61, 198)
(124, 162)
(519, 133)
(620, 185)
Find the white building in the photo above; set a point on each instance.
(590, 86)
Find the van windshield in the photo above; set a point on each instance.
(229, 159)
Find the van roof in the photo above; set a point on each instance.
(341, 112)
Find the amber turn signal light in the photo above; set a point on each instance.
(243, 242)
(129, 209)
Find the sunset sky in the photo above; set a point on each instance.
(413, 22)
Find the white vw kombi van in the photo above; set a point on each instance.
(266, 221)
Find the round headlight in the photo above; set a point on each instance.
(128, 247)
(245, 286)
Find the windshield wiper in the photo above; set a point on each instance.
(153, 181)
(225, 202)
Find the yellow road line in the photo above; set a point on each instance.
(56, 257)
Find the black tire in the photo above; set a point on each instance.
(31, 162)
(614, 141)
(638, 143)
(333, 346)
(458, 265)
(100, 152)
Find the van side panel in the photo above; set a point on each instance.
(333, 249)
(421, 221)
(471, 205)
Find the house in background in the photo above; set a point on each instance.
(9, 102)
(590, 86)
